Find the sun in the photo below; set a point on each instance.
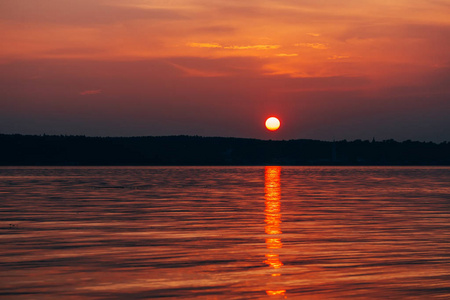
(272, 123)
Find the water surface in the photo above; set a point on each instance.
(225, 232)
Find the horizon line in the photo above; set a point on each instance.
(223, 137)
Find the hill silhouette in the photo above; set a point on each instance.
(22, 150)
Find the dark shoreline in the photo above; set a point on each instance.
(52, 150)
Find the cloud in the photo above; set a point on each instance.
(339, 57)
(408, 30)
(191, 72)
(233, 47)
(204, 45)
(216, 29)
(81, 12)
(257, 47)
(313, 45)
(287, 55)
(90, 92)
(313, 34)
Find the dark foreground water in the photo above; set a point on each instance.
(225, 233)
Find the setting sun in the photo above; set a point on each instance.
(272, 123)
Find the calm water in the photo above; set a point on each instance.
(225, 233)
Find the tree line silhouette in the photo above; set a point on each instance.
(53, 150)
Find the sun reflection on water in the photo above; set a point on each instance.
(272, 189)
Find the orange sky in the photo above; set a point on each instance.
(328, 69)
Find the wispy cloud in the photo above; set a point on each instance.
(191, 72)
(90, 92)
(287, 55)
(204, 45)
(216, 29)
(84, 12)
(339, 57)
(233, 47)
(313, 34)
(318, 46)
(257, 47)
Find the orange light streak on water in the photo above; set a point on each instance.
(272, 189)
(274, 293)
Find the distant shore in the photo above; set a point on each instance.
(62, 150)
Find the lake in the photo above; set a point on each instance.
(225, 232)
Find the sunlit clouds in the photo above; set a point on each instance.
(236, 59)
(339, 57)
(286, 54)
(313, 45)
(233, 47)
(204, 45)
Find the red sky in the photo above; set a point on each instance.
(328, 69)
